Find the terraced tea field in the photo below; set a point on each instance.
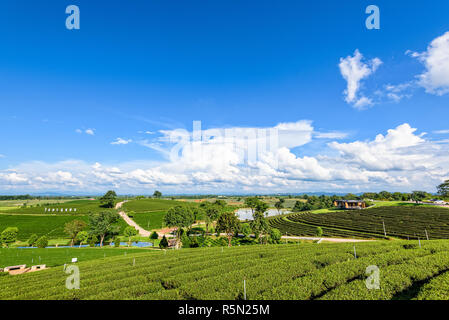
(408, 222)
(303, 271)
(52, 257)
(82, 207)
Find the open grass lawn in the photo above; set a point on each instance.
(51, 226)
(57, 256)
(147, 205)
(298, 272)
(150, 220)
(149, 213)
(82, 207)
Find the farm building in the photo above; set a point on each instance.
(350, 204)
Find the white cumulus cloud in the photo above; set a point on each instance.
(354, 70)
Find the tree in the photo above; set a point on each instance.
(42, 242)
(103, 223)
(279, 205)
(72, 228)
(275, 235)
(443, 189)
(157, 194)
(418, 196)
(108, 200)
(179, 217)
(319, 232)
(251, 203)
(9, 235)
(229, 224)
(212, 212)
(92, 241)
(129, 232)
(82, 237)
(246, 230)
(154, 235)
(32, 240)
(164, 243)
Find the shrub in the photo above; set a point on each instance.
(9, 235)
(275, 235)
(185, 241)
(32, 240)
(154, 235)
(93, 240)
(116, 242)
(194, 243)
(164, 243)
(319, 232)
(42, 242)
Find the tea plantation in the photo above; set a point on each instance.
(300, 271)
(405, 222)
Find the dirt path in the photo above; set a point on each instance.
(335, 240)
(131, 222)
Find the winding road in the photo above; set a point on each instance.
(131, 222)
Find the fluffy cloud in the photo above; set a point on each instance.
(401, 159)
(435, 79)
(121, 141)
(354, 70)
(90, 132)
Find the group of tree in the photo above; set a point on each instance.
(314, 203)
(108, 200)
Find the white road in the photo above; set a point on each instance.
(131, 222)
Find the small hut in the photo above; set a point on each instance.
(350, 204)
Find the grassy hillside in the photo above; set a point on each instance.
(305, 271)
(149, 213)
(407, 222)
(52, 257)
(147, 205)
(51, 226)
(82, 207)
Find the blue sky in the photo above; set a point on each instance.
(146, 65)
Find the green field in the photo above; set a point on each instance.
(302, 271)
(406, 222)
(52, 257)
(150, 220)
(82, 207)
(149, 213)
(50, 226)
(146, 205)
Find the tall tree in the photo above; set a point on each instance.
(212, 212)
(419, 196)
(251, 203)
(108, 200)
(443, 189)
(229, 224)
(82, 237)
(259, 224)
(179, 217)
(157, 194)
(279, 205)
(103, 223)
(72, 229)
